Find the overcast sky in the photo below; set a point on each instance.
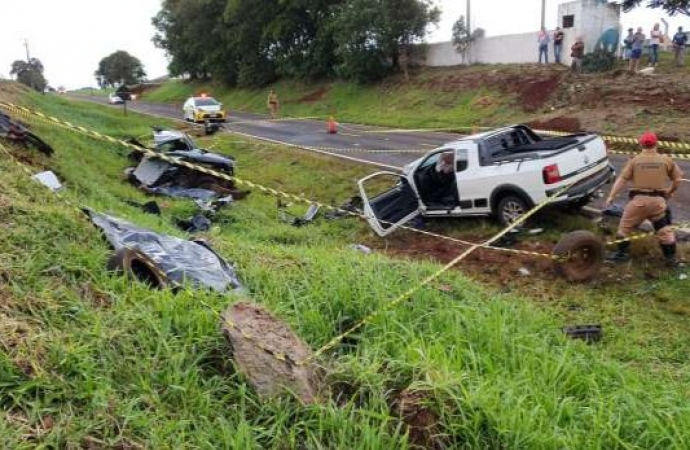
(70, 37)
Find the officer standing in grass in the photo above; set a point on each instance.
(650, 174)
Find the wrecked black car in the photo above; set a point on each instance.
(156, 176)
(14, 131)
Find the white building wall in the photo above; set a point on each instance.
(592, 19)
(514, 48)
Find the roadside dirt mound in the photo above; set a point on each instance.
(422, 422)
(532, 85)
(563, 123)
(613, 103)
(266, 351)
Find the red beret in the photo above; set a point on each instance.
(648, 139)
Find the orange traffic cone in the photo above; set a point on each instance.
(332, 126)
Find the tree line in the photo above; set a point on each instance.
(253, 42)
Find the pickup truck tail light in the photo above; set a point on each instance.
(551, 174)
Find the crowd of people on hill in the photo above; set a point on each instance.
(633, 46)
(577, 50)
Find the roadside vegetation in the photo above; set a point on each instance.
(547, 96)
(426, 102)
(475, 360)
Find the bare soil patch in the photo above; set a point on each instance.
(267, 352)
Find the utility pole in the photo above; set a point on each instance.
(468, 24)
(543, 13)
(28, 55)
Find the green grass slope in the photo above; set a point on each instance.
(391, 103)
(94, 361)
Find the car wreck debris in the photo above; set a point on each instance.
(588, 333)
(181, 261)
(294, 220)
(155, 176)
(49, 180)
(14, 131)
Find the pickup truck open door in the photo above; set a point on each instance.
(391, 209)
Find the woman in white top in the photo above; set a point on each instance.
(655, 38)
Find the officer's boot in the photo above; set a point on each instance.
(621, 254)
(670, 255)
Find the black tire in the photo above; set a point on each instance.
(135, 264)
(510, 208)
(581, 255)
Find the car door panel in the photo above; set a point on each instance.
(392, 208)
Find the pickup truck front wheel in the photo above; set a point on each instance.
(510, 208)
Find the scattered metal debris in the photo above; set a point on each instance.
(362, 248)
(148, 207)
(155, 176)
(181, 261)
(294, 220)
(588, 333)
(15, 131)
(49, 180)
(353, 205)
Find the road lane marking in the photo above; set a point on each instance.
(429, 145)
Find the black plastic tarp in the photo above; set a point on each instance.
(182, 261)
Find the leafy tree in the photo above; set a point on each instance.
(462, 39)
(193, 33)
(252, 42)
(119, 68)
(30, 73)
(670, 6)
(403, 23)
(372, 35)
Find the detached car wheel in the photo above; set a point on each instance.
(510, 208)
(580, 256)
(135, 264)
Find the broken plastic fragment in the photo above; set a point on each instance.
(49, 180)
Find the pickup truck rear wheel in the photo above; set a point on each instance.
(580, 256)
(510, 208)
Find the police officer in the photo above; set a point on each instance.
(654, 179)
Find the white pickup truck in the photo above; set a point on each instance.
(502, 173)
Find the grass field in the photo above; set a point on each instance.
(392, 103)
(90, 360)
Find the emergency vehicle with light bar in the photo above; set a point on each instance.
(203, 108)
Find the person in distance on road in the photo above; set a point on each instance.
(650, 174)
(273, 104)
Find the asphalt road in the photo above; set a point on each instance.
(351, 141)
